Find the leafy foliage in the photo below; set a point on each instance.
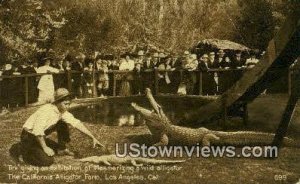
(256, 23)
(31, 27)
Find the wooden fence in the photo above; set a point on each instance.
(115, 78)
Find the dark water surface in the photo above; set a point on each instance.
(264, 113)
(120, 112)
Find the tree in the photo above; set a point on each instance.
(255, 24)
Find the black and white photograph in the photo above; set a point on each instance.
(150, 91)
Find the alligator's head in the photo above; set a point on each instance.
(154, 121)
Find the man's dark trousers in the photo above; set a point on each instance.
(32, 151)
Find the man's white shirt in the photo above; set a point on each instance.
(46, 117)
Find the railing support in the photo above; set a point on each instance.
(200, 83)
(156, 81)
(69, 80)
(114, 85)
(26, 91)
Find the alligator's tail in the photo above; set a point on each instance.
(251, 138)
(93, 159)
(156, 161)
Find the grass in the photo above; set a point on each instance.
(264, 114)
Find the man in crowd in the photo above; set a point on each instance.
(204, 63)
(209, 80)
(148, 73)
(155, 60)
(175, 75)
(77, 84)
(237, 61)
(213, 64)
(252, 61)
(190, 77)
(32, 82)
(220, 57)
(58, 78)
(141, 57)
(35, 148)
(175, 62)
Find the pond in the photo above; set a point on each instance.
(118, 112)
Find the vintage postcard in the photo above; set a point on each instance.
(149, 91)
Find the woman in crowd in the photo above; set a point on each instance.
(126, 65)
(226, 78)
(88, 79)
(189, 77)
(46, 84)
(103, 84)
(164, 78)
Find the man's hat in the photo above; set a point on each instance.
(80, 56)
(220, 52)
(205, 56)
(155, 55)
(193, 56)
(141, 53)
(47, 58)
(61, 94)
(104, 62)
(238, 54)
(162, 55)
(186, 52)
(139, 62)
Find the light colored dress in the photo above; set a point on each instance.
(46, 84)
(125, 88)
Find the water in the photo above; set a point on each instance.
(120, 113)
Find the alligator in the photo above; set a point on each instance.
(135, 161)
(166, 133)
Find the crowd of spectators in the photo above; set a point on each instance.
(93, 76)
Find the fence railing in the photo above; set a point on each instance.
(201, 81)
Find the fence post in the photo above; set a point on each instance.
(26, 91)
(200, 83)
(181, 75)
(156, 81)
(114, 84)
(69, 80)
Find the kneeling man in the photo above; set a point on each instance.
(34, 147)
